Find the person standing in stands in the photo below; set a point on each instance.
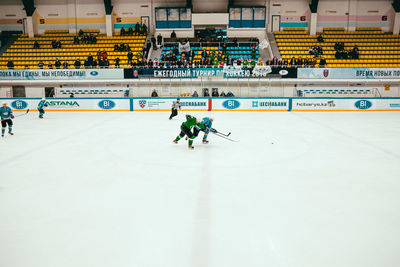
(159, 39)
(253, 52)
(86, 64)
(65, 65)
(106, 63)
(57, 64)
(117, 62)
(322, 63)
(173, 34)
(174, 111)
(130, 57)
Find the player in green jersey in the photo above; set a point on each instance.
(186, 129)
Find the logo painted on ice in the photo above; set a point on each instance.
(363, 104)
(231, 104)
(19, 104)
(142, 103)
(106, 104)
(94, 73)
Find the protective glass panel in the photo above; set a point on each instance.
(247, 13)
(234, 14)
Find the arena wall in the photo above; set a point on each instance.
(90, 14)
(209, 104)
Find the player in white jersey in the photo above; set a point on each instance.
(175, 106)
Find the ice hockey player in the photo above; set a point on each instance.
(6, 115)
(207, 123)
(41, 105)
(175, 106)
(186, 129)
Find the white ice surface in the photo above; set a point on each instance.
(112, 190)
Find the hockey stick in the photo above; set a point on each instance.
(27, 111)
(224, 136)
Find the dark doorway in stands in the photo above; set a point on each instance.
(18, 91)
(49, 91)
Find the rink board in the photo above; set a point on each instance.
(71, 104)
(209, 104)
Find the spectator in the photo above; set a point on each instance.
(222, 94)
(122, 31)
(50, 66)
(86, 64)
(81, 33)
(90, 59)
(104, 54)
(40, 65)
(106, 63)
(143, 29)
(130, 30)
(253, 52)
(205, 93)
(65, 65)
(322, 63)
(154, 42)
(117, 62)
(76, 40)
(36, 45)
(77, 64)
(173, 34)
(195, 94)
(57, 64)
(55, 44)
(154, 93)
(10, 65)
(94, 64)
(355, 52)
(130, 57)
(99, 55)
(320, 38)
(159, 39)
(101, 63)
(72, 95)
(137, 28)
(230, 94)
(215, 93)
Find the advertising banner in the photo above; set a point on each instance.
(348, 73)
(62, 74)
(250, 104)
(71, 104)
(226, 72)
(164, 104)
(343, 104)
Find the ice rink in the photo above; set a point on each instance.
(110, 189)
